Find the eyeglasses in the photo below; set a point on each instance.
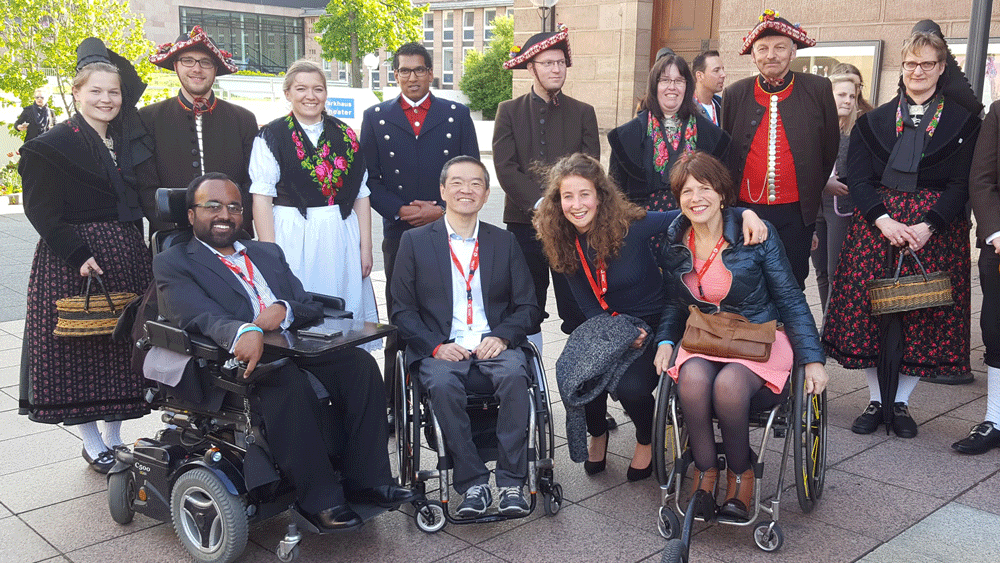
(39, 97)
(676, 83)
(548, 65)
(420, 72)
(214, 207)
(191, 61)
(926, 66)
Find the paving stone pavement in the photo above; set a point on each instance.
(886, 499)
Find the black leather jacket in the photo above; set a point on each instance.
(763, 287)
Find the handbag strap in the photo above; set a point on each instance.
(602, 274)
(86, 292)
(899, 264)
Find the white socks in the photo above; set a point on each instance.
(92, 439)
(993, 394)
(907, 383)
(536, 339)
(112, 433)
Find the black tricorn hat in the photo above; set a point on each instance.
(197, 39)
(520, 57)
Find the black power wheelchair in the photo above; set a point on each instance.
(800, 420)
(414, 417)
(209, 472)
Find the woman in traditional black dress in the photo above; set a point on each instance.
(80, 195)
(908, 174)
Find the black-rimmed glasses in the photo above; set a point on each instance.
(420, 72)
(214, 207)
(191, 61)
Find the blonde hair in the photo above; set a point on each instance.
(84, 74)
(301, 66)
(922, 39)
(847, 123)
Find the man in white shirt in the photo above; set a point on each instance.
(462, 299)
(709, 81)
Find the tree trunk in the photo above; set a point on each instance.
(356, 75)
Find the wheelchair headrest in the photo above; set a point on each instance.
(171, 206)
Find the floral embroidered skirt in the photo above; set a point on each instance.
(662, 200)
(75, 380)
(936, 340)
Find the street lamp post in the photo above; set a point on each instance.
(547, 13)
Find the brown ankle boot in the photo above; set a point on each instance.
(739, 491)
(705, 481)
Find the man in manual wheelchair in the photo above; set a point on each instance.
(331, 450)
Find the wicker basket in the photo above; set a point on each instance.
(909, 293)
(79, 317)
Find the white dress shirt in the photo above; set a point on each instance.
(462, 333)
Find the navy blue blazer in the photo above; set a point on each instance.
(402, 167)
(421, 288)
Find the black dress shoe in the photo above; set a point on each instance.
(385, 496)
(634, 474)
(869, 420)
(902, 423)
(595, 467)
(984, 437)
(339, 517)
(102, 463)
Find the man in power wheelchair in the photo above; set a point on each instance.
(463, 299)
(232, 291)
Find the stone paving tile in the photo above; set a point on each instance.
(10, 376)
(37, 450)
(943, 431)
(13, 425)
(9, 342)
(10, 358)
(471, 555)
(4, 513)
(7, 402)
(866, 506)
(946, 535)
(81, 522)
(157, 544)
(577, 485)
(15, 327)
(576, 534)
(973, 411)
(21, 543)
(50, 484)
(635, 504)
(985, 494)
(911, 465)
(388, 537)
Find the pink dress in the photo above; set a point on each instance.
(716, 285)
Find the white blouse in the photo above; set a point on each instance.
(265, 171)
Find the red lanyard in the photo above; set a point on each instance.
(249, 281)
(473, 266)
(602, 274)
(704, 267)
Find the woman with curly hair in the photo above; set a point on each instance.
(591, 233)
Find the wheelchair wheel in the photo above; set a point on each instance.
(666, 450)
(553, 501)
(210, 522)
(768, 536)
(668, 524)
(121, 495)
(675, 552)
(430, 517)
(808, 427)
(404, 447)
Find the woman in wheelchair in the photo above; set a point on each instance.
(707, 264)
(583, 213)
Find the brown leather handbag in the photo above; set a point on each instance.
(728, 335)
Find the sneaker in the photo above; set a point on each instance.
(869, 420)
(477, 499)
(512, 502)
(983, 437)
(902, 423)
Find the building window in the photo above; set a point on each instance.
(428, 29)
(258, 42)
(489, 14)
(448, 66)
(448, 28)
(390, 75)
(375, 72)
(468, 27)
(342, 72)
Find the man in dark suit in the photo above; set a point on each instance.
(36, 118)
(406, 141)
(532, 131)
(463, 298)
(232, 291)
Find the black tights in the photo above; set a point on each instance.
(635, 393)
(705, 387)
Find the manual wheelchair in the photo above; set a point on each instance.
(800, 419)
(415, 418)
(209, 470)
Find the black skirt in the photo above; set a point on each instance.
(76, 380)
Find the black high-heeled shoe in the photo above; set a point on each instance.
(595, 467)
(634, 474)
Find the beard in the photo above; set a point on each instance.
(218, 240)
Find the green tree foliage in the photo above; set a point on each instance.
(351, 29)
(486, 82)
(39, 36)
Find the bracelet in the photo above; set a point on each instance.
(247, 329)
(662, 342)
(436, 348)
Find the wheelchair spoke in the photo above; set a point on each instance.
(201, 519)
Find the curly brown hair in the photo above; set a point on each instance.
(611, 221)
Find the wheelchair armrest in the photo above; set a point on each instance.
(167, 336)
(333, 307)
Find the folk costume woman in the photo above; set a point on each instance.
(908, 173)
(310, 196)
(81, 197)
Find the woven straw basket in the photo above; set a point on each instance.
(909, 293)
(79, 317)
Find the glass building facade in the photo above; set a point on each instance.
(259, 42)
